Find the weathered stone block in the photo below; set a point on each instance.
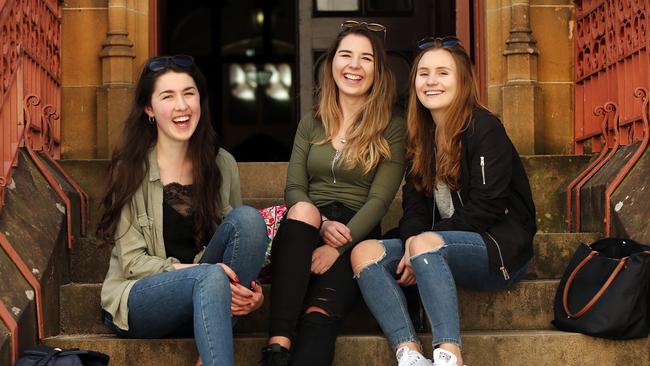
(113, 105)
(630, 207)
(522, 115)
(557, 132)
(83, 30)
(79, 122)
(555, 62)
(592, 195)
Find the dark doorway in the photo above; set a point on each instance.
(247, 50)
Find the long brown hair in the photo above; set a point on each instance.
(130, 164)
(435, 152)
(366, 144)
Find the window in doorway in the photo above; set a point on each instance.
(362, 8)
(337, 5)
(247, 49)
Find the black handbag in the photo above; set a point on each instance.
(604, 290)
(49, 356)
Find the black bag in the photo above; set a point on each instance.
(49, 356)
(604, 290)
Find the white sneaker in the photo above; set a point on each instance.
(443, 357)
(409, 357)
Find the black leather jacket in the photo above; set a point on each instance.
(494, 200)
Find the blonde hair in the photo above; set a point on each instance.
(435, 151)
(366, 145)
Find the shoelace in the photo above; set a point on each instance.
(412, 357)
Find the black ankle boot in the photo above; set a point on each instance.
(275, 355)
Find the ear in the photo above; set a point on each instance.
(148, 110)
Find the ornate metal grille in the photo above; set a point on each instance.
(611, 61)
(30, 59)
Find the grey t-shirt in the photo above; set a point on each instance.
(443, 200)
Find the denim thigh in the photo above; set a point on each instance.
(466, 254)
(161, 305)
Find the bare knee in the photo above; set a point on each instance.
(366, 253)
(425, 242)
(305, 212)
(316, 309)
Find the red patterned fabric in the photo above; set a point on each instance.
(272, 217)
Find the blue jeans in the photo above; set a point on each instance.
(197, 299)
(462, 260)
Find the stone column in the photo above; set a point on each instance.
(115, 96)
(522, 97)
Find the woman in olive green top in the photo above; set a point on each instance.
(346, 166)
(173, 202)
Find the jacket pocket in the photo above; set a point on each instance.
(146, 227)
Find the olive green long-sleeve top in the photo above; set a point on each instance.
(314, 176)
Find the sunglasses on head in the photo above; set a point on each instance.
(164, 62)
(375, 27)
(448, 41)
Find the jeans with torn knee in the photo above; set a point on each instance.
(384, 297)
(462, 260)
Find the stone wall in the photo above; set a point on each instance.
(551, 23)
(85, 27)
(86, 24)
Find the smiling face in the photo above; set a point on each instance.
(176, 105)
(353, 66)
(436, 82)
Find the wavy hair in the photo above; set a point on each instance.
(366, 145)
(436, 152)
(129, 163)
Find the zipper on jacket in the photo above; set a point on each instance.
(335, 157)
(433, 215)
(503, 269)
(483, 168)
(460, 198)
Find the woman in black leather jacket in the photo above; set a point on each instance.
(469, 217)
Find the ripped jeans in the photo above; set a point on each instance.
(462, 260)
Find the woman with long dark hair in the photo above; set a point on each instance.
(346, 166)
(186, 252)
(469, 217)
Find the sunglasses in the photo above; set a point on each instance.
(375, 27)
(448, 41)
(164, 62)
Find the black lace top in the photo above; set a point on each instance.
(178, 222)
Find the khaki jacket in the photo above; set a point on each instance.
(139, 247)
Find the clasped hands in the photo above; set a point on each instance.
(244, 300)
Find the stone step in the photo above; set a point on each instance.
(528, 305)
(263, 183)
(89, 261)
(485, 348)
(549, 175)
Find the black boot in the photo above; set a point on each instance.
(275, 355)
(316, 340)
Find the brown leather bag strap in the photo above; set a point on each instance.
(565, 297)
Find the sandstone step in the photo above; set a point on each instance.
(528, 305)
(549, 175)
(89, 261)
(484, 348)
(553, 251)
